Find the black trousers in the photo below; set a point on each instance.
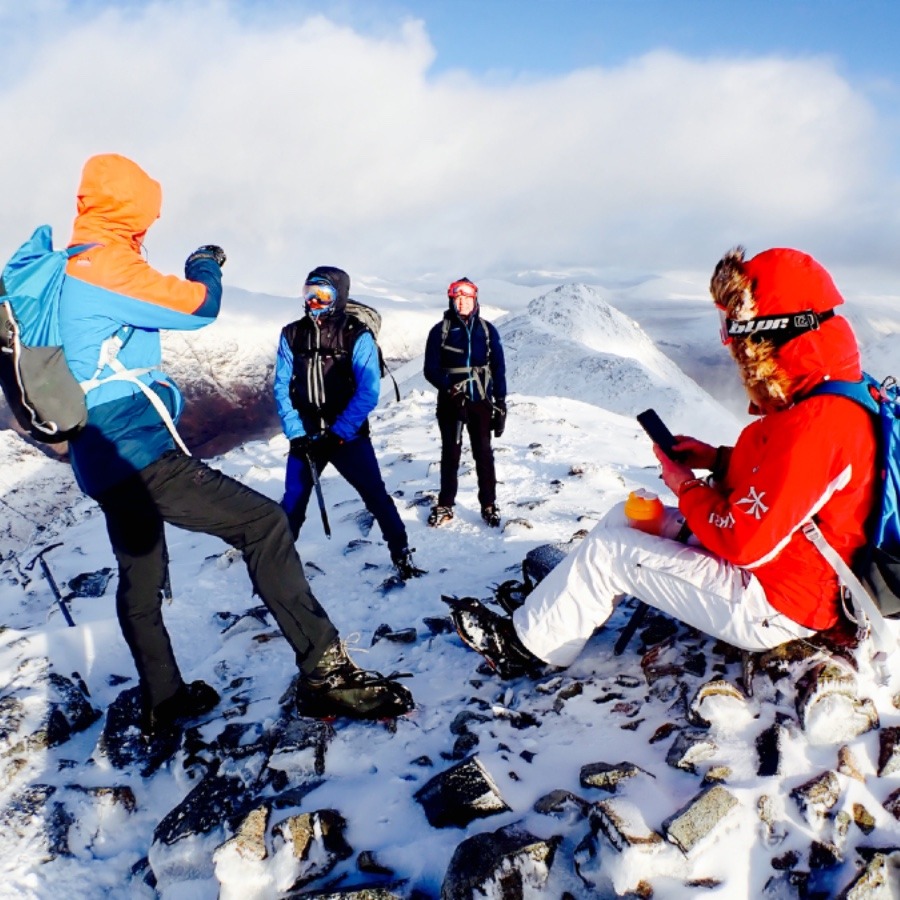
(478, 425)
(184, 491)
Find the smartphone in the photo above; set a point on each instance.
(659, 434)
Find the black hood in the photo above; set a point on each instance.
(338, 279)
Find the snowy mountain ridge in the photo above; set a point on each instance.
(675, 769)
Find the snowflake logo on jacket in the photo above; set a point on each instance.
(754, 503)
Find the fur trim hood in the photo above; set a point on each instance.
(775, 282)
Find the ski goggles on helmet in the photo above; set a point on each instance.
(462, 289)
(319, 294)
(778, 328)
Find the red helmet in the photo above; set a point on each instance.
(464, 288)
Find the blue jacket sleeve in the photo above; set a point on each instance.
(284, 368)
(498, 365)
(434, 373)
(367, 375)
(209, 273)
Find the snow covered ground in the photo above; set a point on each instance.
(579, 370)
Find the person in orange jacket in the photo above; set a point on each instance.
(130, 459)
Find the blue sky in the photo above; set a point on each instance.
(403, 138)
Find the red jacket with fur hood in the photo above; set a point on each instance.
(803, 457)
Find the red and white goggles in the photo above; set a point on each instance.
(319, 294)
(462, 289)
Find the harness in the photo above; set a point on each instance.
(479, 377)
(109, 356)
(322, 382)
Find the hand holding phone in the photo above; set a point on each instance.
(658, 433)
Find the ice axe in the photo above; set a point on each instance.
(318, 486)
(45, 569)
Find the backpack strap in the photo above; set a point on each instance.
(863, 392)
(865, 611)
(109, 356)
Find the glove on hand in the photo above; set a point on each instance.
(207, 251)
(300, 446)
(498, 417)
(327, 441)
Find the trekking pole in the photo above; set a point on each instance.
(318, 486)
(45, 569)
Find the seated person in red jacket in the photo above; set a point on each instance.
(748, 575)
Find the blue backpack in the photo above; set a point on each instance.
(43, 394)
(878, 564)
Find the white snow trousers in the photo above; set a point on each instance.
(684, 580)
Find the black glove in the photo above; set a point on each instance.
(300, 446)
(327, 441)
(207, 251)
(498, 417)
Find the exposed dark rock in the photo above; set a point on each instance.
(324, 830)
(695, 821)
(877, 881)
(90, 584)
(216, 800)
(786, 861)
(122, 743)
(401, 636)
(300, 746)
(368, 862)
(824, 856)
(817, 796)
(460, 795)
(607, 776)
(768, 749)
(622, 824)
(829, 707)
(561, 803)
(847, 764)
(499, 864)
(710, 695)
(689, 748)
(888, 751)
(864, 820)
(892, 803)
(439, 624)
(249, 841)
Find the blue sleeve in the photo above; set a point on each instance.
(498, 365)
(434, 373)
(367, 375)
(284, 368)
(209, 273)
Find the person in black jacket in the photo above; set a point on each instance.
(464, 361)
(327, 382)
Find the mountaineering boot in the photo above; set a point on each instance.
(405, 566)
(188, 702)
(338, 687)
(439, 515)
(491, 515)
(494, 637)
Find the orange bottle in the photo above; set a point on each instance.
(645, 511)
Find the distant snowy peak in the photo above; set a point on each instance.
(572, 343)
(579, 311)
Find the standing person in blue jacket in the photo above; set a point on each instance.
(327, 382)
(464, 361)
(130, 459)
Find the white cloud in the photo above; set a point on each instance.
(299, 142)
